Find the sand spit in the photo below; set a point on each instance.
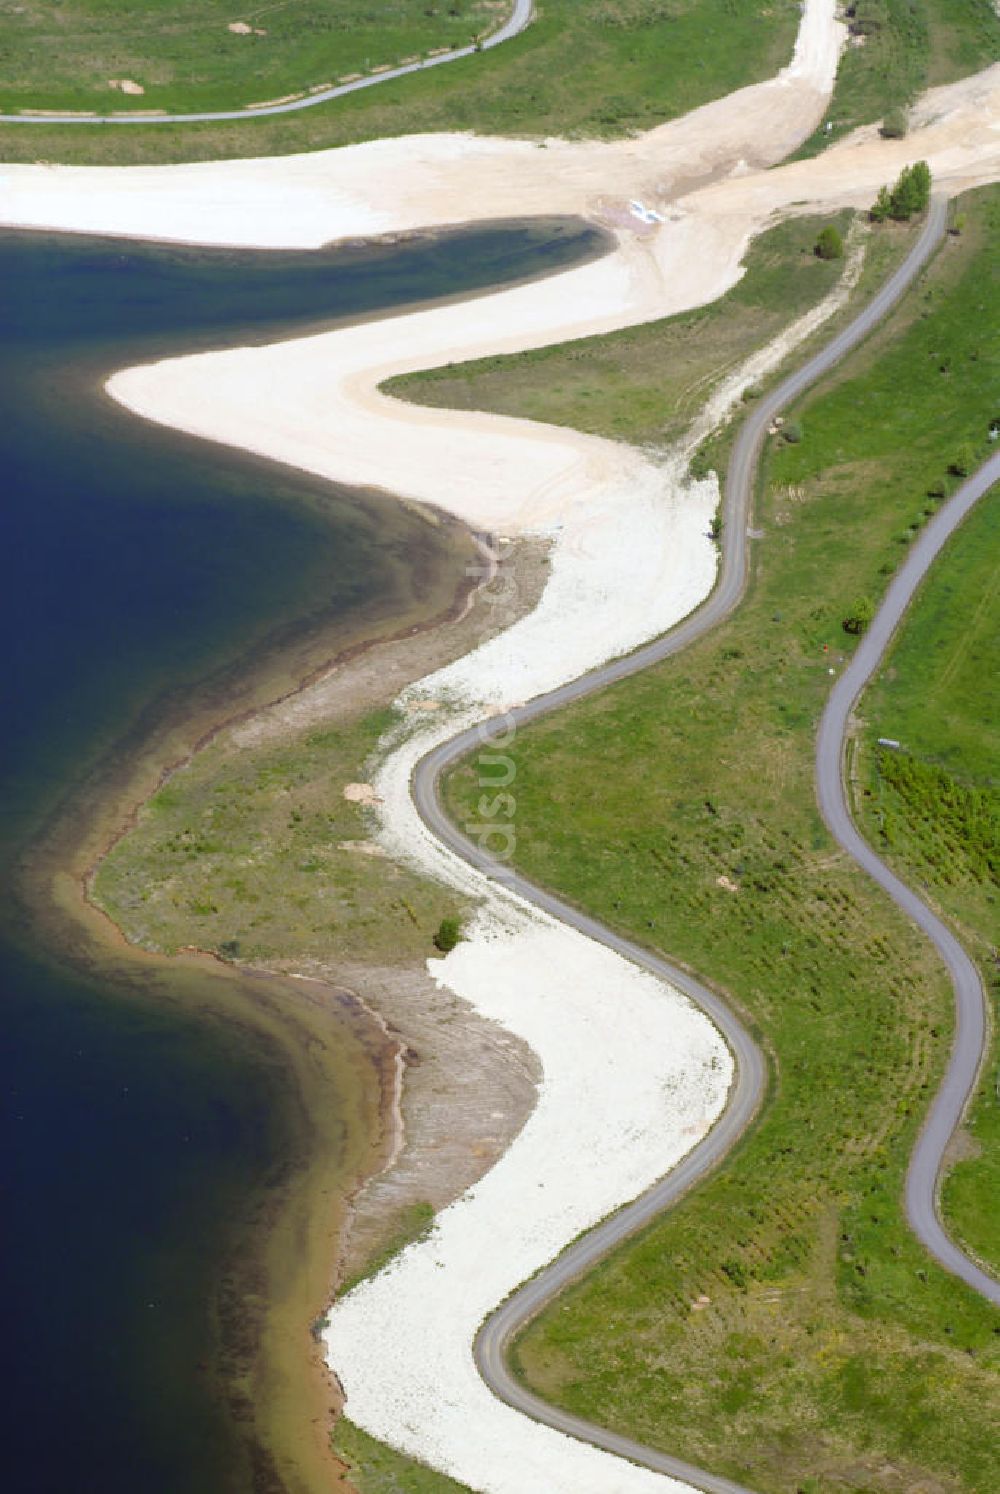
(632, 1075)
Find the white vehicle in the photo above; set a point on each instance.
(643, 213)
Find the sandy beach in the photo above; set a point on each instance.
(632, 1074)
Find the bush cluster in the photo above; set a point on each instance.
(909, 196)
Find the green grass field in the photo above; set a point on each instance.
(185, 57)
(832, 1353)
(901, 47)
(934, 810)
(584, 67)
(646, 384)
(243, 853)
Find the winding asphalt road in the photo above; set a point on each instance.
(516, 23)
(749, 1083)
(970, 1001)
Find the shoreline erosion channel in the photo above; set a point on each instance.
(631, 557)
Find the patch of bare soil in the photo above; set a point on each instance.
(466, 1088)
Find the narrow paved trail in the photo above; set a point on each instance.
(516, 23)
(497, 1332)
(969, 1044)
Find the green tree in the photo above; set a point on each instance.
(829, 245)
(448, 934)
(909, 196)
(912, 191)
(881, 207)
(859, 618)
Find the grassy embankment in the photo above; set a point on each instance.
(900, 47)
(599, 69)
(832, 1349)
(934, 809)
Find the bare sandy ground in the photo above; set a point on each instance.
(632, 1076)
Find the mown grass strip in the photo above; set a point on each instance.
(782, 1325)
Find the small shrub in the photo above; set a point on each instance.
(792, 433)
(448, 934)
(715, 528)
(859, 618)
(829, 245)
(894, 125)
(736, 1272)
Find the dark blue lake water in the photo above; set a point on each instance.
(142, 570)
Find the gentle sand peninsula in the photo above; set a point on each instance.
(632, 1074)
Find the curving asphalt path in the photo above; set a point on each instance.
(748, 1086)
(970, 1001)
(512, 27)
